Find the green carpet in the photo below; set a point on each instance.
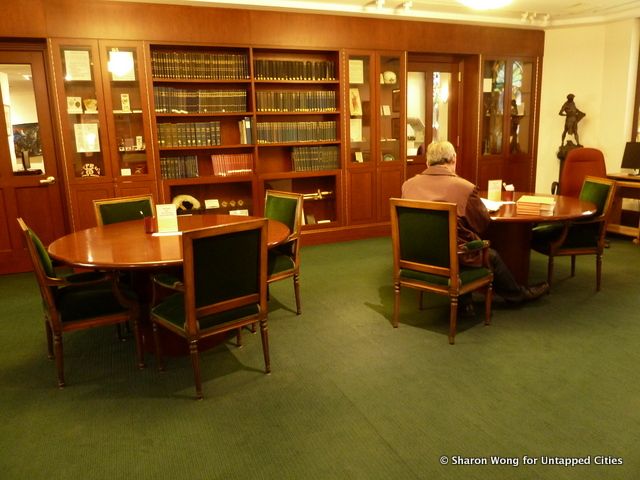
(349, 396)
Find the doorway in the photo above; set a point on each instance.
(29, 186)
(432, 106)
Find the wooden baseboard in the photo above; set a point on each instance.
(344, 234)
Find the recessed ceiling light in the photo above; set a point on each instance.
(485, 4)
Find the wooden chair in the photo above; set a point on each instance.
(580, 237)
(122, 209)
(224, 289)
(77, 301)
(284, 259)
(425, 256)
(579, 163)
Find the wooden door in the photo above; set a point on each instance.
(29, 184)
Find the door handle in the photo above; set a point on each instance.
(48, 181)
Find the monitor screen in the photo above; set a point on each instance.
(631, 157)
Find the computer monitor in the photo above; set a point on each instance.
(631, 157)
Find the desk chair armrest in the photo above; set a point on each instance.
(166, 280)
(474, 245)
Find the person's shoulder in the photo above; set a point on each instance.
(463, 182)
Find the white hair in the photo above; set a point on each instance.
(439, 153)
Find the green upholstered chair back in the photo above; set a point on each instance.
(424, 236)
(224, 268)
(43, 255)
(597, 192)
(284, 207)
(122, 209)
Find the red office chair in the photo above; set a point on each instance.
(579, 163)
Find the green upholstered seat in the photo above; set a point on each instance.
(223, 288)
(580, 237)
(284, 259)
(122, 209)
(425, 256)
(77, 301)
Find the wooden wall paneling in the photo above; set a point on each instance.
(82, 196)
(228, 26)
(26, 19)
(361, 186)
(469, 117)
(389, 185)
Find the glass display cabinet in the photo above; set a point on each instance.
(360, 97)
(127, 110)
(376, 144)
(508, 113)
(102, 100)
(81, 104)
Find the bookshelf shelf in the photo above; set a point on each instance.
(286, 106)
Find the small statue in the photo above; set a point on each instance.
(573, 116)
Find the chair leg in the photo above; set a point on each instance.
(453, 317)
(573, 265)
(121, 336)
(420, 300)
(264, 333)
(195, 363)
(396, 304)
(296, 289)
(550, 269)
(239, 335)
(598, 271)
(47, 328)
(57, 347)
(158, 347)
(138, 338)
(488, 298)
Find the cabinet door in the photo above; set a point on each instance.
(508, 122)
(390, 112)
(360, 103)
(390, 128)
(127, 111)
(81, 104)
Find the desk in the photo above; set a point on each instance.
(125, 245)
(510, 234)
(627, 186)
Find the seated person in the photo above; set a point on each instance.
(439, 183)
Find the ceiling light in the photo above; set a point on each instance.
(485, 4)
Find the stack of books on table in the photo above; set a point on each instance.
(535, 205)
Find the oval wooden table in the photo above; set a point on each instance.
(126, 245)
(510, 233)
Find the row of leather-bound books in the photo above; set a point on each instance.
(315, 157)
(179, 100)
(173, 167)
(189, 134)
(296, 101)
(279, 69)
(283, 132)
(199, 65)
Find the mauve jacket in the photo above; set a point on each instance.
(438, 184)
